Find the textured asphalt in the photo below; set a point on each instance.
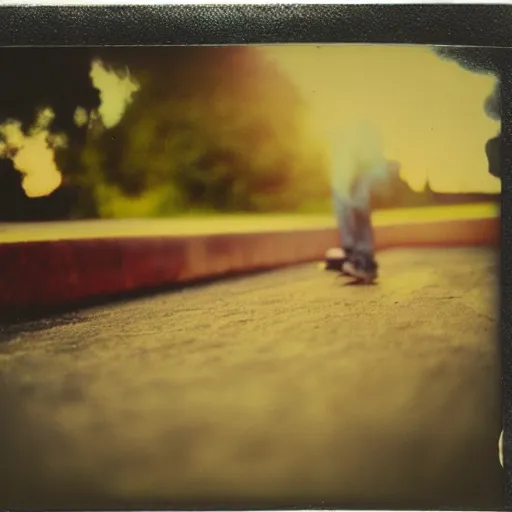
(288, 388)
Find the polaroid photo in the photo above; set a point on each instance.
(255, 257)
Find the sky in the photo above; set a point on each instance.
(116, 92)
(429, 112)
(32, 156)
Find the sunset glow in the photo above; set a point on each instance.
(429, 112)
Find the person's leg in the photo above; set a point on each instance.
(363, 260)
(354, 219)
(335, 258)
(379, 181)
(346, 222)
(365, 239)
(363, 228)
(363, 264)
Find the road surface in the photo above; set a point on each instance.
(287, 388)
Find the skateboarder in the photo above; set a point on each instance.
(359, 171)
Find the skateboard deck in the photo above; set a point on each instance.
(334, 261)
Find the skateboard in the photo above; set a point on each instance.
(358, 277)
(335, 262)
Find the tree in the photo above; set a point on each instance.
(35, 78)
(212, 128)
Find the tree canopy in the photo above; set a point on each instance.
(35, 78)
(210, 129)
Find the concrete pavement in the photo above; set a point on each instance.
(287, 388)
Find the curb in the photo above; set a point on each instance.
(55, 273)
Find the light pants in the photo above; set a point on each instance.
(353, 212)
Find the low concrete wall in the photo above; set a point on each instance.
(449, 233)
(53, 273)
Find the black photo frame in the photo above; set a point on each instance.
(485, 26)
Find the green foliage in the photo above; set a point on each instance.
(228, 135)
